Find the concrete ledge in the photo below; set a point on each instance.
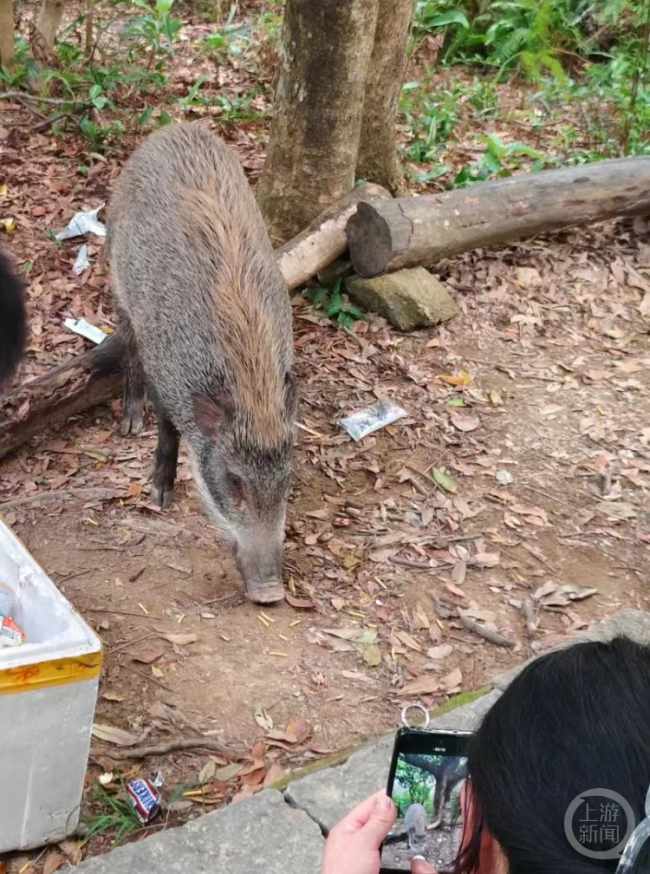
(329, 794)
(259, 834)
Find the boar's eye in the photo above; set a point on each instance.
(236, 487)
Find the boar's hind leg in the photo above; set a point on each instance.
(135, 393)
(164, 471)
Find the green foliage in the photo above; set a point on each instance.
(334, 304)
(112, 814)
(500, 160)
(588, 61)
(89, 82)
(154, 27)
(413, 786)
(535, 37)
(229, 39)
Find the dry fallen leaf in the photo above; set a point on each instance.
(53, 861)
(72, 851)
(452, 682)
(617, 510)
(208, 771)
(344, 633)
(254, 777)
(258, 750)
(299, 729)
(147, 656)
(465, 423)
(420, 618)
(273, 775)
(114, 735)
(407, 640)
(425, 685)
(263, 719)
(299, 603)
(462, 378)
(459, 573)
(229, 772)
(485, 559)
(372, 655)
(440, 652)
(181, 639)
(279, 734)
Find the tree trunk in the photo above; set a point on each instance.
(51, 399)
(49, 21)
(390, 235)
(378, 160)
(6, 32)
(326, 48)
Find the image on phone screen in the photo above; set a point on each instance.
(426, 788)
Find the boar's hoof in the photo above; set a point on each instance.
(265, 593)
(162, 494)
(132, 421)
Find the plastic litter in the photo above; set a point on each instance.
(144, 798)
(85, 329)
(82, 262)
(11, 634)
(373, 418)
(83, 223)
(505, 477)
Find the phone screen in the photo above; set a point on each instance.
(427, 775)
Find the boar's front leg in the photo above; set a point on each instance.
(164, 471)
(135, 392)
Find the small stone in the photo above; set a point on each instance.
(408, 299)
(505, 477)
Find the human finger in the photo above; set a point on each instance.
(419, 865)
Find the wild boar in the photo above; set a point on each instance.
(415, 821)
(206, 325)
(13, 323)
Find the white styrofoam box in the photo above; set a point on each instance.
(48, 693)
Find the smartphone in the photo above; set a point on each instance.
(427, 774)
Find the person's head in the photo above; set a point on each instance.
(573, 720)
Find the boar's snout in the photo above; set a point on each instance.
(260, 564)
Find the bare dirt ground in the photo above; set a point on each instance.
(523, 467)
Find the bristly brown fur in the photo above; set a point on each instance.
(246, 333)
(206, 321)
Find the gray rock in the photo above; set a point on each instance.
(408, 299)
(634, 624)
(329, 794)
(262, 833)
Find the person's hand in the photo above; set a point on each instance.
(353, 844)
(419, 865)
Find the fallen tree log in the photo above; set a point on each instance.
(389, 235)
(49, 400)
(324, 239)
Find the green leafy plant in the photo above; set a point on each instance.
(155, 27)
(334, 304)
(229, 39)
(114, 815)
(500, 160)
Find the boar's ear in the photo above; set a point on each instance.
(213, 415)
(291, 394)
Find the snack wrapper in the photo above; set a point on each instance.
(11, 634)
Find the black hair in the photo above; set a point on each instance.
(573, 720)
(13, 325)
